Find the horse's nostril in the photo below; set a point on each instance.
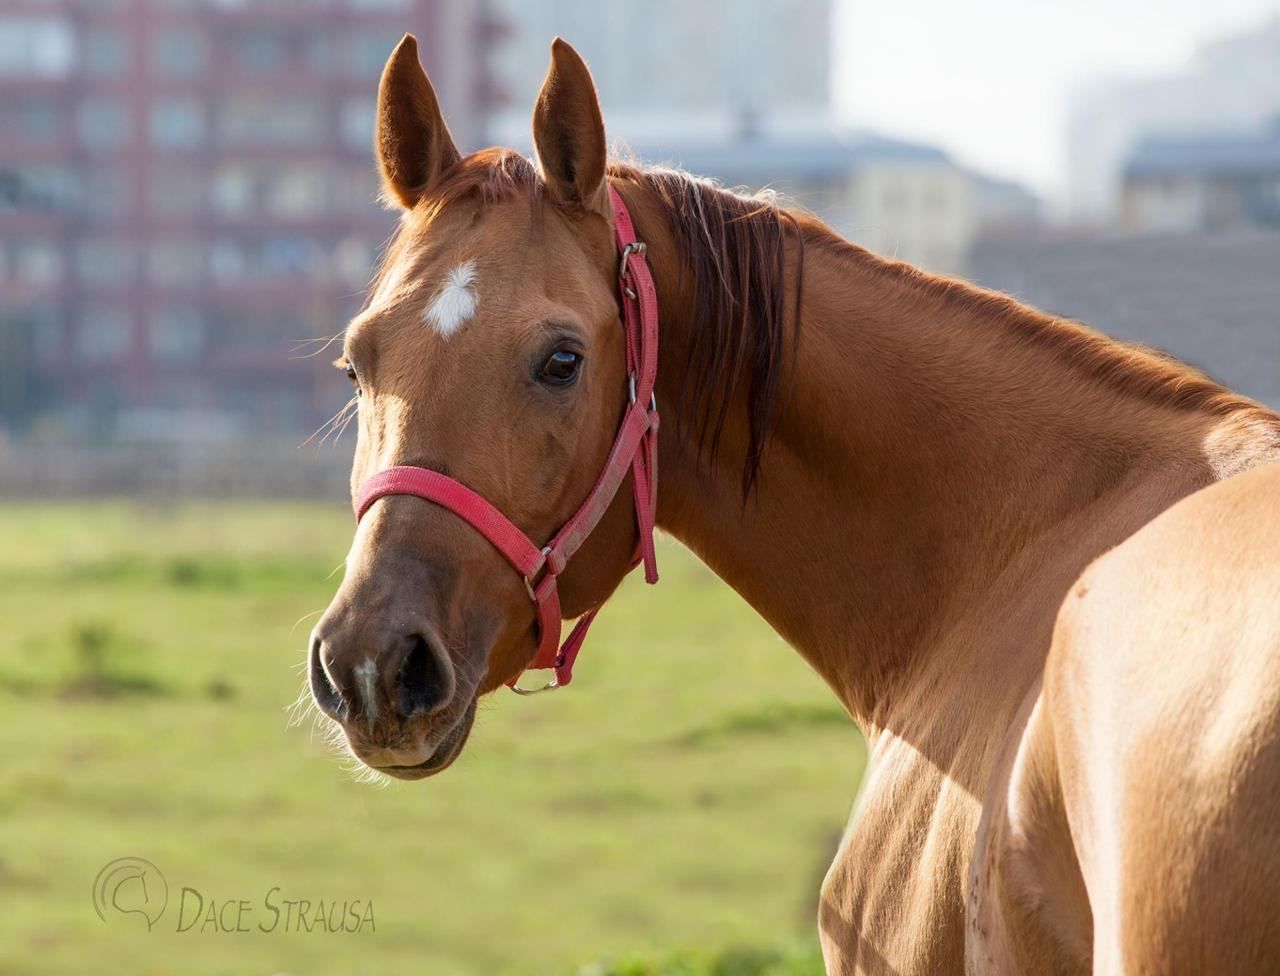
(327, 697)
(422, 679)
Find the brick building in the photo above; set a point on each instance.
(187, 193)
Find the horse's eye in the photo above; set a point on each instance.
(561, 368)
(351, 375)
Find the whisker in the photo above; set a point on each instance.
(302, 706)
(328, 424)
(345, 424)
(326, 342)
(305, 616)
(340, 422)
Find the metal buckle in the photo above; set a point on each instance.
(631, 393)
(635, 247)
(546, 551)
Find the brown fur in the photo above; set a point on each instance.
(1054, 787)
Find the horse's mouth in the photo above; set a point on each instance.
(443, 755)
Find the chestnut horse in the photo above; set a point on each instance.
(1036, 566)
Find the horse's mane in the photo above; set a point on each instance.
(735, 249)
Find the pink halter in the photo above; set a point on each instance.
(634, 448)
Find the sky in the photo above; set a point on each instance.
(989, 80)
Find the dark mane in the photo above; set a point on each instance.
(734, 249)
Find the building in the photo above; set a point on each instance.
(897, 198)
(666, 65)
(187, 194)
(741, 92)
(1208, 183)
(1209, 299)
(1231, 87)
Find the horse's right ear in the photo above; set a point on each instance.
(411, 140)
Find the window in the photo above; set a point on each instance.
(107, 191)
(369, 51)
(102, 122)
(103, 336)
(47, 331)
(353, 260)
(177, 52)
(290, 256)
(37, 263)
(33, 119)
(177, 123)
(104, 261)
(285, 121)
(35, 47)
(227, 261)
(38, 188)
(262, 51)
(175, 263)
(176, 334)
(105, 52)
(233, 190)
(175, 191)
(296, 190)
(358, 116)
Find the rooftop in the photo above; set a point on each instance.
(1209, 299)
(1242, 153)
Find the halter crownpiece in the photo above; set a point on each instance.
(635, 448)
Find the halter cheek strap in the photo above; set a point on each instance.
(635, 450)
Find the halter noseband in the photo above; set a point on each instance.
(635, 447)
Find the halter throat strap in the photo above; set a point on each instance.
(635, 450)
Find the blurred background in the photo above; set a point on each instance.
(188, 214)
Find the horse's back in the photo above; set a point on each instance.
(1153, 753)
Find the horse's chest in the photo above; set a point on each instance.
(893, 900)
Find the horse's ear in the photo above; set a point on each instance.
(568, 132)
(411, 140)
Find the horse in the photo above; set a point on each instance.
(1036, 566)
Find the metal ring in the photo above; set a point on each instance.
(635, 247)
(528, 583)
(631, 386)
(551, 685)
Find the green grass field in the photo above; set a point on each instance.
(672, 812)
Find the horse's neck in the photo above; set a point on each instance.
(921, 455)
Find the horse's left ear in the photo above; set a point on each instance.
(568, 132)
